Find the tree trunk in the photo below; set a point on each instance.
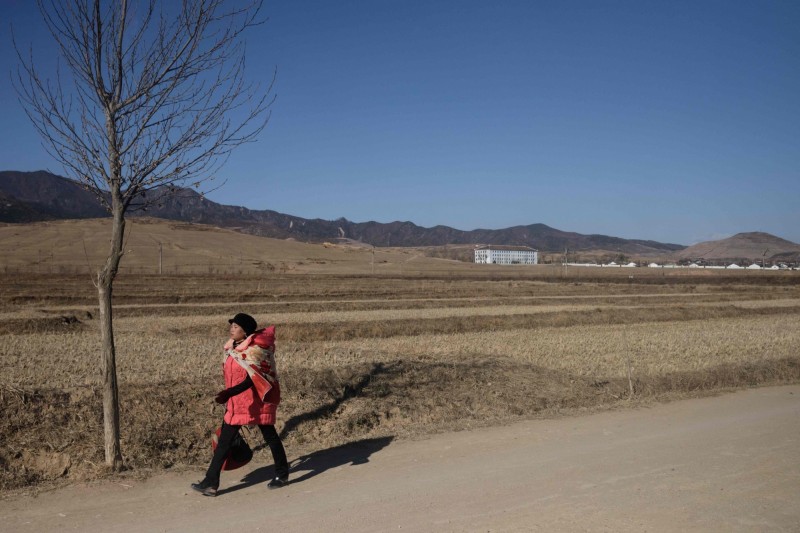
(105, 282)
(110, 391)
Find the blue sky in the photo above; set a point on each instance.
(673, 121)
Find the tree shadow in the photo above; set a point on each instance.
(315, 463)
(350, 391)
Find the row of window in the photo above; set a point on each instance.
(506, 257)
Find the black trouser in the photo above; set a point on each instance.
(272, 439)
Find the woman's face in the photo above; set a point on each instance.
(237, 333)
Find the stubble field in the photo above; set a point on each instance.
(370, 357)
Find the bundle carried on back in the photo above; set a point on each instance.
(256, 355)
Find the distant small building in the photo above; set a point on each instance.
(733, 266)
(506, 255)
(754, 266)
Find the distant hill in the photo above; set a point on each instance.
(753, 246)
(40, 196)
(52, 197)
(14, 210)
(155, 245)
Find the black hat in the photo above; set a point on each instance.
(244, 321)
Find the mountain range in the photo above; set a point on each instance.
(41, 196)
(38, 196)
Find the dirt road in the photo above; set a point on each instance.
(728, 463)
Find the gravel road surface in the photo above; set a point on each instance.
(725, 463)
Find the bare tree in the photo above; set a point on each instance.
(153, 97)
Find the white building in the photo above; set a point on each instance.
(506, 255)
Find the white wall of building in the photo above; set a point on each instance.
(506, 257)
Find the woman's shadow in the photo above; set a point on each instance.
(354, 453)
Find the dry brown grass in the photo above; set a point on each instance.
(367, 357)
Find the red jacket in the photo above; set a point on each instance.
(246, 408)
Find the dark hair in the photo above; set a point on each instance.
(244, 321)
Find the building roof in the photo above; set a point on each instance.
(505, 247)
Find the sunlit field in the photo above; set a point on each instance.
(371, 356)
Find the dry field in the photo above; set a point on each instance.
(365, 356)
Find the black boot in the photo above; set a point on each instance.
(206, 488)
(278, 482)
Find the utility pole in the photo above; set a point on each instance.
(160, 260)
(372, 262)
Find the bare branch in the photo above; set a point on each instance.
(154, 92)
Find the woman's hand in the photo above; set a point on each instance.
(222, 396)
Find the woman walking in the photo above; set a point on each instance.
(252, 395)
